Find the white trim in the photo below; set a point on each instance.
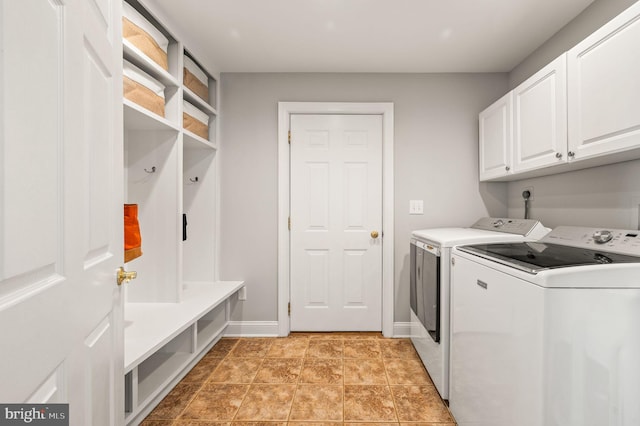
(402, 329)
(252, 329)
(285, 109)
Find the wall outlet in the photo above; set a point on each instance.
(530, 189)
(242, 293)
(416, 207)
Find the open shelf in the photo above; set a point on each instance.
(155, 373)
(193, 141)
(139, 118)
(198, 101)
(210, 326)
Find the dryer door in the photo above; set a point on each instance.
(430, 294)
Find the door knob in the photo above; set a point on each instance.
(125, 277)
(374, 234)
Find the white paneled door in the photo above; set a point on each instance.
(336, 220)
(61, 207)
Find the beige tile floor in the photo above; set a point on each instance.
(305, 379)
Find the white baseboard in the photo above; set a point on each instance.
(401, 329)
(270, 329)
(252, 329)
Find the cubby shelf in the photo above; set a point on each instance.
(192, 141)
(139, 118)
(198, 101)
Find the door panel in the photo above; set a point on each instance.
(317, 282)
(603, 88)
(495, 138)
(61, 206)
(31, 231)
(336, 202)
(540, 118)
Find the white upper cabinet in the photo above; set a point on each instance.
(540, 119)
(582, 110)
(604, 89)
(496, 138)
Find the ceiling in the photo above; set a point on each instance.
(368, 35)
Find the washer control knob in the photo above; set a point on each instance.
(498, 223)
(601, 237)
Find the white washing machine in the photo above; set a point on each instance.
(547, 333)
(429, 284)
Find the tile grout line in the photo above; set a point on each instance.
(252, 379)
(195, 394)
(295, 392)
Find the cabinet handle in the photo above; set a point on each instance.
(507, 168)
(571, 154)
(558, 155)
(482, 284)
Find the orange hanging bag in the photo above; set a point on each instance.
(132, 238)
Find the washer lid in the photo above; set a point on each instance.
(533, 257)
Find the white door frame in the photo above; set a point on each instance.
(385, 109)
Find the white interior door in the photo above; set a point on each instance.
(61, 207)
(336, 211)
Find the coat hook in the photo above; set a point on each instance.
(153, 170)
(194, 180)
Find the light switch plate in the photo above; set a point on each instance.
(416, 207)
(242, 293)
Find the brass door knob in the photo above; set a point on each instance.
(124, 276)
(374, 234)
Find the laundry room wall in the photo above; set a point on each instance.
(593, 17)
(606, 196)
(435, 160)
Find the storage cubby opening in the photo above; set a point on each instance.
(151, 171)
(137, 56)
(212, 89)
(161, 367)
(199, 206)
(211, 325)
(151, 18)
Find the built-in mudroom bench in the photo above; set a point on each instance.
(163, 341)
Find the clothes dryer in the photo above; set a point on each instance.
(430, 288)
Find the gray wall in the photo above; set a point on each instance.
(606, 196)
(436, 128)
(592, 18)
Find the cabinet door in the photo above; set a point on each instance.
(604, 89)
(540, 118)
(495, 139)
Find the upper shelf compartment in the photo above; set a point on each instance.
(200, 88)
(148, 45)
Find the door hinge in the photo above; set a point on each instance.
(289, 223)
(289, 308)
(289, 137)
